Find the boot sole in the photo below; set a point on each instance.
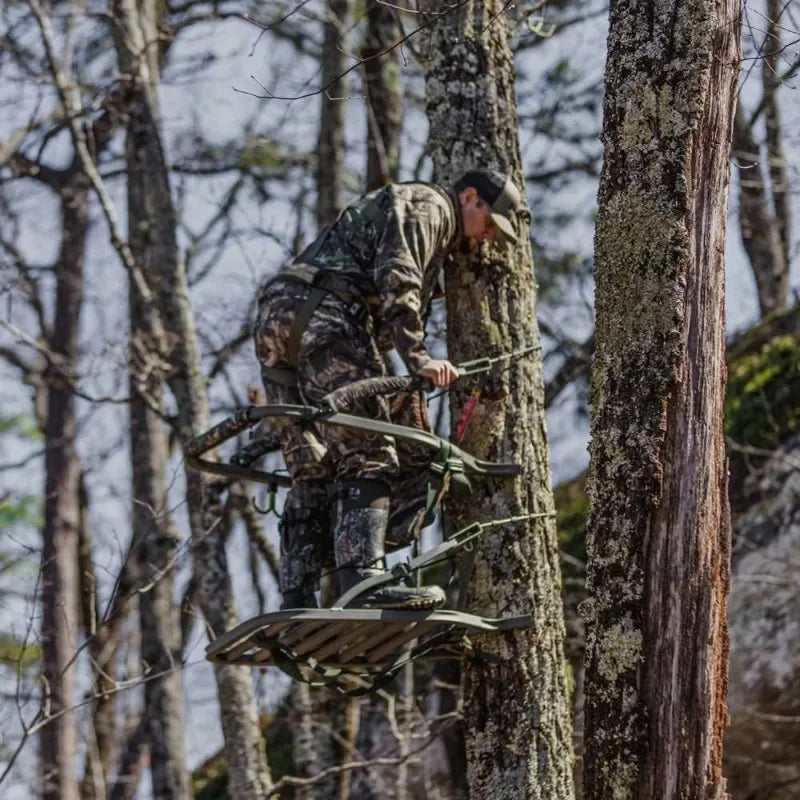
(405, 605)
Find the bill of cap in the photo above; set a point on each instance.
(505, 227)
(504, 208)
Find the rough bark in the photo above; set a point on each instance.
(60, 604)
(659, 529)
(384, 94)
(331, 142)
(516, 705)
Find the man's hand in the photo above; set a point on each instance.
(439, 372)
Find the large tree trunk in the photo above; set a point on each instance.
(516, 705)
(659, 530)
(384, 90)
(156, 541)
(60, 615)
(247, 766)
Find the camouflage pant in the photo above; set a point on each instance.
(337, 348)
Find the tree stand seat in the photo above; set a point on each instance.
(354, 650)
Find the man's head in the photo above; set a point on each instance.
(489, 202)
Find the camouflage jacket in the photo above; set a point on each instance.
(391, 244)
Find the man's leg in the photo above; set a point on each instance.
(413, 507)
(305, 530)
(305, 543)
(365, 465)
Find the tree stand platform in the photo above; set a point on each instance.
(354, 650)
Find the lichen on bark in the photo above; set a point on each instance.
(516, 703)
(658, 528)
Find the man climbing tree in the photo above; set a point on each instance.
(361, 288)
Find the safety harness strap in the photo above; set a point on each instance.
(321, 283)
(301, 318)
(284, 377)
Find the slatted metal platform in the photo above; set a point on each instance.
(354, 642)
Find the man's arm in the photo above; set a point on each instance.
(440, 373)
(414, 235)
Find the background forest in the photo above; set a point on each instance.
(158, 161)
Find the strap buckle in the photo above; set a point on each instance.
(451, 464)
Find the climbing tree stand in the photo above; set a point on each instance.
(354, 650)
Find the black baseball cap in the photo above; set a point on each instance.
(499, 192)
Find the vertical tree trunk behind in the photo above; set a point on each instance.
(60, 602)
(154, 534)
(776, 159)
(659, 530)
(156, 541)
(320, 714)
(760, 234)
(102, 647)
(248, 773)
(516, 705)
(384, 90)
(331, 141)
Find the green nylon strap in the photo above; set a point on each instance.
(285, 377)
(304, 314)
(320, 282)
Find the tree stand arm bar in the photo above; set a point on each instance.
(250, 415)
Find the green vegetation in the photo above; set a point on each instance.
(572, 507)
(763, 403)
(25, 509)
(21, 424)
(17, 654)
(762, 410)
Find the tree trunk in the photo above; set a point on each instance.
(102, 656)
(384, 90)
(516, 704)
(60, 603)
(659, 529)
(331, 142)
(760, 235)
(247, 766)
(776, 160)
(156, 545)
(154, 534)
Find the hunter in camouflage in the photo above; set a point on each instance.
(362, 288)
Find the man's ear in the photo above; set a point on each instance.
(467, 196)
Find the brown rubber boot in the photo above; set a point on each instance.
(361, 513)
